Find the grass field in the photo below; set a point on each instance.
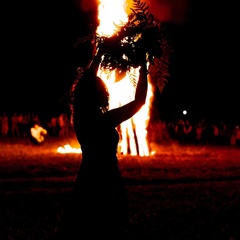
(180, 193)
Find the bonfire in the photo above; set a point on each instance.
(141, 33)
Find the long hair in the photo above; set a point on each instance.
(88, 92)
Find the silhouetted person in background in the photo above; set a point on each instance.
(98, 206)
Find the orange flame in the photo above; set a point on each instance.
(133, 131)
(38, 133)
(68, 149)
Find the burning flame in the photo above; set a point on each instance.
(38, 133)
(68, 149)
(111, 13)
(133, 133)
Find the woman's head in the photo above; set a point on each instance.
(90, 92)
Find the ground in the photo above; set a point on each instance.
(180, 193)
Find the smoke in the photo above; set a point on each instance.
(87, 5)
(88, 10)
(172, 11)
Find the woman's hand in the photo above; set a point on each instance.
(143, 62)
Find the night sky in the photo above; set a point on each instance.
(39, 59)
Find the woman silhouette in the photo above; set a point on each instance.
(99, 205)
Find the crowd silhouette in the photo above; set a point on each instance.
(17, 125)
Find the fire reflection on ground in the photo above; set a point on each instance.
(68, 149)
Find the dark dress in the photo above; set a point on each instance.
(98, 207)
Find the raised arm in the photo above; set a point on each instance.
(141, 89)
(119, 115)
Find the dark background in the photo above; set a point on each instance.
(39, 59)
